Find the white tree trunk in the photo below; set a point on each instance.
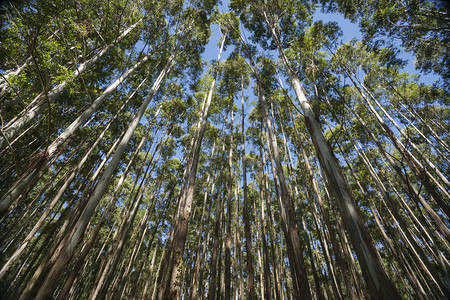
(67, 248)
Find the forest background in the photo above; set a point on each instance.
(205, 149)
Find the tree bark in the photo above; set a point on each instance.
(245, 212)
(229, 209)
(66, 249)
(185, 203)
(377, 280)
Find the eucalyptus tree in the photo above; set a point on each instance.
(278, 22)
(186, 196)
(66, 249)
(383, 132)
(43, 283)
(234, 79)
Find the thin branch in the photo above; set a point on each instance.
(15, 91)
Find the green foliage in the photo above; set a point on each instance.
(420, 26)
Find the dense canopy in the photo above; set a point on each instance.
(296, 165)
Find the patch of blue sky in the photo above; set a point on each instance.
(350, 31)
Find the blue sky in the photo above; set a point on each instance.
(350, 31)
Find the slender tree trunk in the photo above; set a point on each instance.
(378, 282)
(424, 123)
(66, 249)
(417, 287)
(101, 288)
(289, 221)
(399, 219)
(237, 256)
(27, 182)
(411, 190)
(288, 218)
(245, 212)
(212, 293)
(413, 145)
(229, 209)
(185, 203)
(422, 135)
(266, 191)
(55, 200)
(266, 269)
(198, 262)
(421, 173)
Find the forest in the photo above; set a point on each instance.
(295, 164)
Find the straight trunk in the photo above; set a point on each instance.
(377, 280)
(26, 183)
(185, 203)
(66, 249)
(198, 262)
(55, 200)
(229, 209)
(289, 222)
(421, 173)
(212, 293)
(245, 212)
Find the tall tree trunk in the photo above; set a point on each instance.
(245, 212)
(55, 200)
(377, 280)
(266, 269)
(289, 222)
(389, 202)
(411, 190)
(421, 173)
(27, 182)
(288, 218)
(66, 249)
(229, 209)
(271, 224)
(101, 288)
(212, 293)
(185, 202)
(198, 262)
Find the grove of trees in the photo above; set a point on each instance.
(296, 165)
